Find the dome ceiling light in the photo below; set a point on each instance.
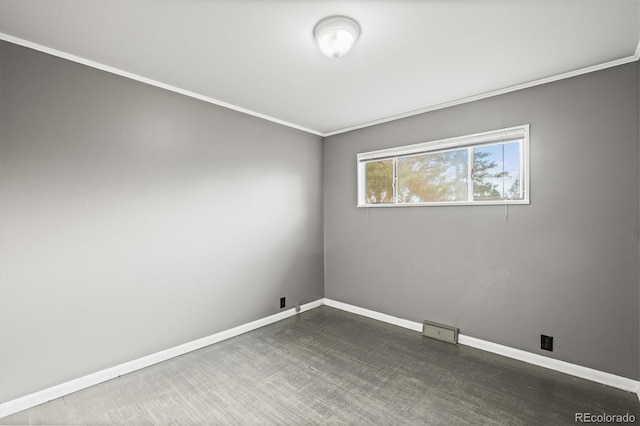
(336, 35)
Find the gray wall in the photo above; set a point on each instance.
(134, 219)
(565, 265)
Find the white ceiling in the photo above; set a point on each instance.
(259, 55)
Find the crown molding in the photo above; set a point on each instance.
(126, 74)
(151, 82)
(492, 93)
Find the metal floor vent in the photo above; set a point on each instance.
(441, 332)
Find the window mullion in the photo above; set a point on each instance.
(523, 171)
(395, 180)
(470, 173)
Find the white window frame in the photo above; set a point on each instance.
(494, 137)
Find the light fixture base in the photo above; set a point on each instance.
(336, 35)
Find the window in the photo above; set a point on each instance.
(485, 168)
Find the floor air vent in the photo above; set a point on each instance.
(440, 332)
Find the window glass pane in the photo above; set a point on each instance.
(483, 168)
(496, 172)
(439, 176)
(380, 182)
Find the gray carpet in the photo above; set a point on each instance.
(328, 366)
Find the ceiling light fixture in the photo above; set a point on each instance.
(336, 35)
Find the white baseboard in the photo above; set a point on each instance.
(597, 376)
(66, 388)
(411, 325)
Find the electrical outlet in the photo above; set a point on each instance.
(546, 342)
(283, 302)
